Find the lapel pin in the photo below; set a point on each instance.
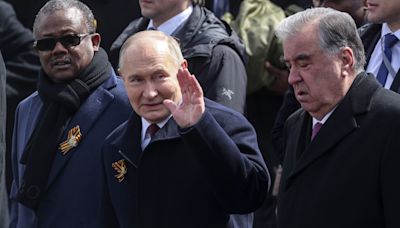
(121, 169)
(74, 137)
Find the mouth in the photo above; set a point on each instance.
(301, 95)
(61, 63)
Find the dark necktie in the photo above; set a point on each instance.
(152, 129)
(389, 41)
(315, 130)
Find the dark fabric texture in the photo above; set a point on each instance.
(61, 101)
(3, 193)
(22, 65)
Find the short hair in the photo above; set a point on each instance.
(173, 45)
(54, 5)
(336, 30)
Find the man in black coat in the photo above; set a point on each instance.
(22, 64)
(213, 51)
(200, 168)
(341, 148)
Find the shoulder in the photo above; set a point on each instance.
(224, 114)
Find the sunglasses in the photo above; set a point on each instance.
(48, 44)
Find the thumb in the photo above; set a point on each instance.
(171, 106)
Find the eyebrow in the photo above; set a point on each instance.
(300, 57)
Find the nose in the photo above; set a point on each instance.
(294, 76)
(59, 48)
(150, 91)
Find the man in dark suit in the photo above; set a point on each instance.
(384, 16)
(203, 164)
(60, 128)
(346, 174)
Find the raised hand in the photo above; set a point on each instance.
(190, 110)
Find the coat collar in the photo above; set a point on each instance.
(85, 117)
(351, 109)
(128, 142)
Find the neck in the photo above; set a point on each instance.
(394, 26)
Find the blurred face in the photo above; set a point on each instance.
(162, 10)
(356, 9)
(315, 75)
(65, 62)
(380, 11)
(149, 73)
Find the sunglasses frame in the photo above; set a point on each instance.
(61, 40)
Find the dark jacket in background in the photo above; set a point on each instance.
(214, 53)
(22, 64)
(234, 6)
(3, 193)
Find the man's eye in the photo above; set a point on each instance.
(135, 80)
(303, 65)
(159, 76)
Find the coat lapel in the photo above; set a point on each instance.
(85, 118)
(129, 143)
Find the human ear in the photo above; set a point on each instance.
(184, 64)
(96, 39)
(347, 60)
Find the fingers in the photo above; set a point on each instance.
(189, 85)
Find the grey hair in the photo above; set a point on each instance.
(336, 30)
(54, 5)
(173, 44)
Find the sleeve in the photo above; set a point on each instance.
(231, 159)
(225, 81)
(15, 183)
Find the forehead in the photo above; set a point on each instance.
(61, 21)
(304, 42)
(147, 54)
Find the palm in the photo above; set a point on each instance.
(192, 107)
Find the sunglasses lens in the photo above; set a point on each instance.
(67, 41)
(70, 40)
(46, 44)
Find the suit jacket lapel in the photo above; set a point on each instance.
(129, 143)
(85, 118)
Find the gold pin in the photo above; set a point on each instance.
(121, 169)
(74, 137)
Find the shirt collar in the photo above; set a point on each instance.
(169, 26)
(146, 124)
(386, 30)
(324, 119)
